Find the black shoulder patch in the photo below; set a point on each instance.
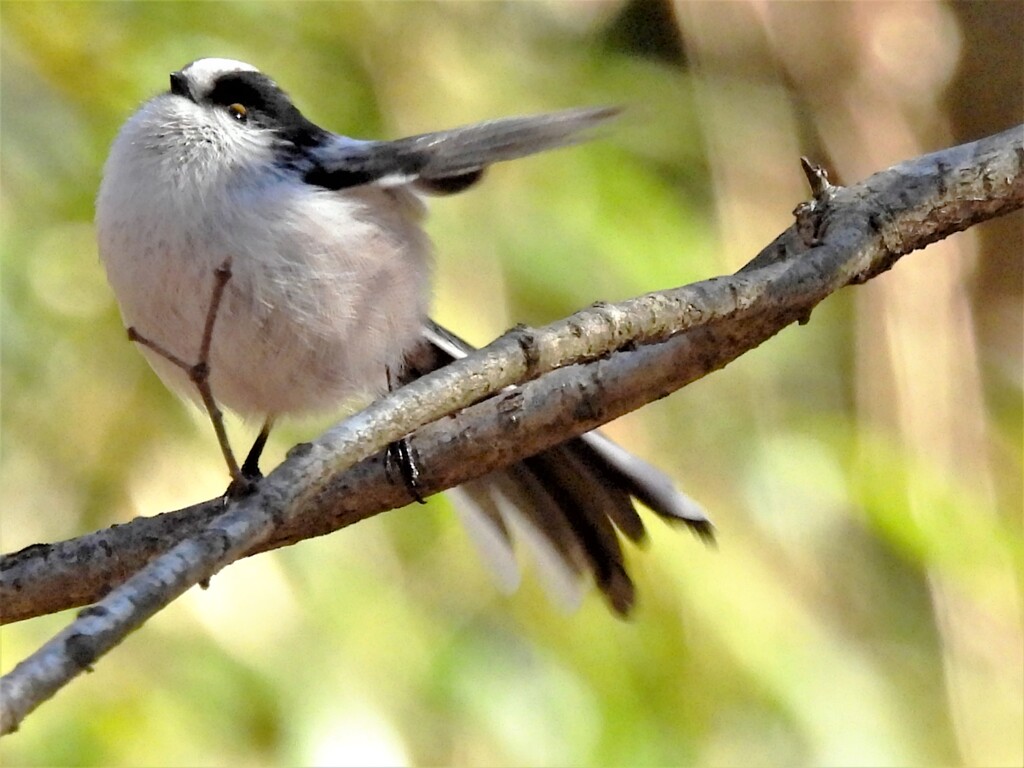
(338, 179)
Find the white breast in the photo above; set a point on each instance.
(328, 289)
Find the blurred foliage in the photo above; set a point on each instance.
(864, 605)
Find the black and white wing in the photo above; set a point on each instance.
(449, 161)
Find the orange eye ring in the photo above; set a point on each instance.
(238, 111)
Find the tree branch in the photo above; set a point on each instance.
(623, 356)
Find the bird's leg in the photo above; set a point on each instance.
(399, 454)
(251, 465)
(199, 375)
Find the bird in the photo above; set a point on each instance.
(294, 262)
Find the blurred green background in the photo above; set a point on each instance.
(864, 604)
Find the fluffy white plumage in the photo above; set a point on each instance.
(328, 289)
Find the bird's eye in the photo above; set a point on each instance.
(238, 111)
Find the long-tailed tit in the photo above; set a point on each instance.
(328, 290)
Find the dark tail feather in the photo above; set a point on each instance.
(570, 499)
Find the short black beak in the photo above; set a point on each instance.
(180, 86)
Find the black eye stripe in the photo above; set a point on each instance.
(252, 89)
(267, 106)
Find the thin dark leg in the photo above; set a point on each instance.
(251, 465)
(199, 375)
(399, 454)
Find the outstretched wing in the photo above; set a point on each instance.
(449, 161)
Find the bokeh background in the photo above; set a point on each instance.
(864, 604)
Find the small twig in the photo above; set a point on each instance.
(199, 375)
(817, 178)
(221, 277)
(811, 215)
(134, 335)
